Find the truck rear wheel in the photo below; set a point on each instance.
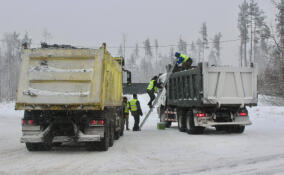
(220, 128)
(190, 126)
(181, 123)
(239, 129)
(116, 135)
(122, 127)
(104, 144)
(38, 147)
(235, 129)
(111, 134)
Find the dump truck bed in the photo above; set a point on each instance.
(76, 79)
(213, 86)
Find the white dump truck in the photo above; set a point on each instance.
(209, 96)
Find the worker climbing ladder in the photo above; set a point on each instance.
(158, 96)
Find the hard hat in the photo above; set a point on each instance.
(177, 54)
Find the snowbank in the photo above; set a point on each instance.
(259, 150)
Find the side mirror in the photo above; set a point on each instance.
(122, 61)
(129, 78)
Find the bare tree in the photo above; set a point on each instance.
(27, 40)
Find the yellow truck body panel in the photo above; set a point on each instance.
(69, 79)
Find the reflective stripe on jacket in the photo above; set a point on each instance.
(133, 105)
(126, 108)
(185, 57)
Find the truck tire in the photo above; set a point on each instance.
(122, 126)
(116, 135)
(220, 128)
(104, 144)
(239, 129)
(38, 147)
(111, 134)
(168, 124)
(236, 129)
(190, 126)
(181, 123)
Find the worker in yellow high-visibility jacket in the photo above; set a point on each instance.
(152, 89)
(134, 106)
(126, 106)
(185, 60)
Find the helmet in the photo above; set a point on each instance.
(155, 78)
(177, 54)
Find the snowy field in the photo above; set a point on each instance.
(259, 150)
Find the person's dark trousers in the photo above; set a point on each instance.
(136, 122)
(187, 64)
(152, 97)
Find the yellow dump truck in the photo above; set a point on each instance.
(70, 95)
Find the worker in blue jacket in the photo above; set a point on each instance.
(185, 60)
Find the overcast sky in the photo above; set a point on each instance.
(91, 22)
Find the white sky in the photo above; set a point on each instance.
(90, 22)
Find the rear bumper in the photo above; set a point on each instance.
(39, 137)
(205, 122)
(32, 139)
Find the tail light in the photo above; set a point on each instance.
(243, 114)
(97, 122)
(27, 122)
(200, 114)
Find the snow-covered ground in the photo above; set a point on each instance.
(259, 150)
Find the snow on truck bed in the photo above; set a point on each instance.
(259, 150)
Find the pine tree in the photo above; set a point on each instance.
(204, 39)
(243, 22)
(217, 47)
(146, 64)
(199, 49)
(182, 46)
(136, 51)
(256, 25)
(193, 52)
(156, 54)
(147, 47)
(27, 40)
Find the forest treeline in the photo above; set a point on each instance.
(258, 43)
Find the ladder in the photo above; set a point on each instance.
(158, 96)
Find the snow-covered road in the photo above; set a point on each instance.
(259, 150)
